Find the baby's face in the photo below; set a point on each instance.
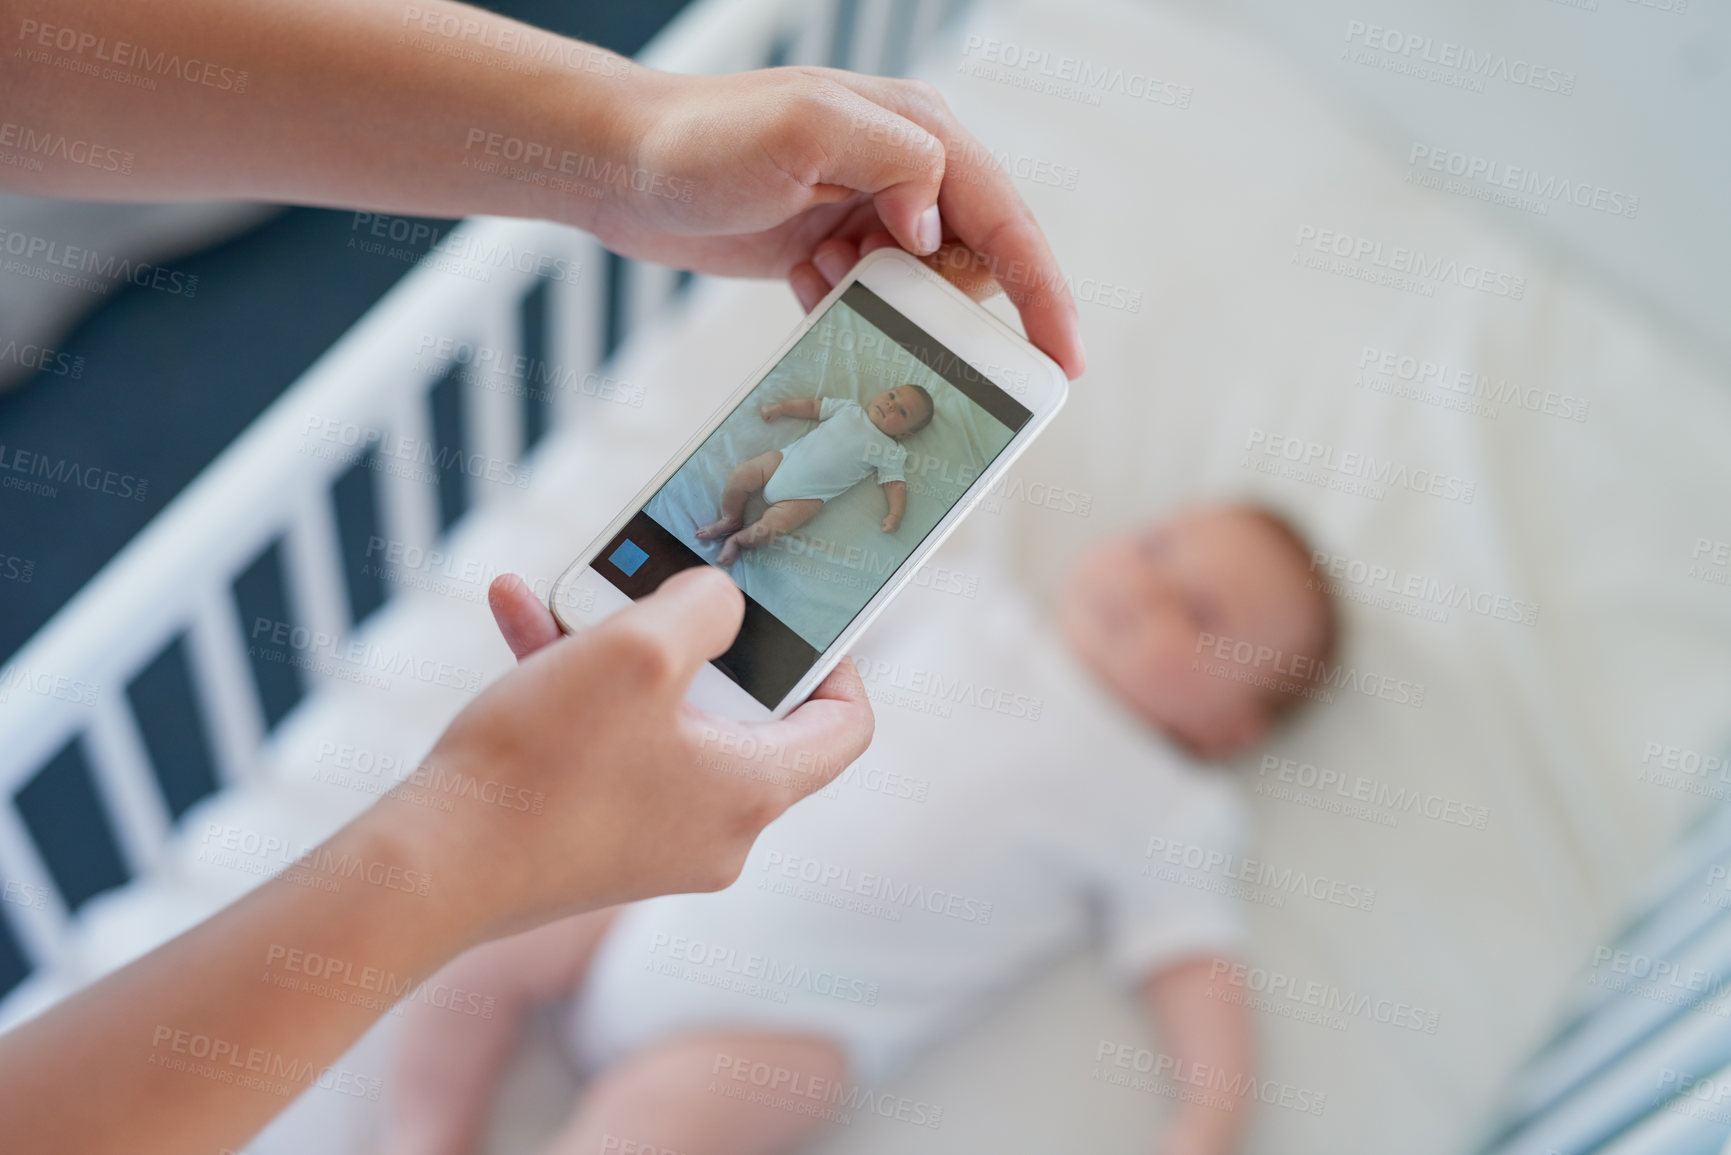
(1136, 608)
(897, 412)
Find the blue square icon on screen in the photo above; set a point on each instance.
(628, 557)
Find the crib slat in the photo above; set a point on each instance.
(408, 493)
(648, 288)
(816, 38)
(315, 588)
(870, 46)
(715, 36)
(121, 766)
(223, 680)
(929, 17)
(492, 396)
(576, 310)
(41, 917)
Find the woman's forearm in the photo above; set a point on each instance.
(579, 780)
(411, 106)
(431, 107)
(199, 1044)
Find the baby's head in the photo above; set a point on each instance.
(1209, 625)
(902, 411)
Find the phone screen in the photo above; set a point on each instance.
(796, 493)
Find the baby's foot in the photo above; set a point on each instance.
(720, 528)
(729, 552)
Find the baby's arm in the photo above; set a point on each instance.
(810, 408)
(1201, 1031)
(897, 492)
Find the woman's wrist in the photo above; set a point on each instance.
(418, 854)
(571, 152)
(529, 123)
(475, 838)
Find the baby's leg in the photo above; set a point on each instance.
(747, 478)
(682, 1096)
(449, 1062)
(781, 518)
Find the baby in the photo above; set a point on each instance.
(1033, 781)
(848, 443)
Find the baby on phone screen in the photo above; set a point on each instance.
(849, 443)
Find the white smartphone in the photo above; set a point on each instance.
(896, 381)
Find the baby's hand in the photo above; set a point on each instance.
(770, 410)
(1182, 1139)
(891, 523)
(1187, 1145)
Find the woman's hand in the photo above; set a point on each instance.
(798, 172)
(634, 792)
(783, 172)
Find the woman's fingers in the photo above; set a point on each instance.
(808, 285)
(962, 267)
(526, 623)
(982, 209)
(834, 257)
(837, 720)
(785, 761)
(830, 262)
(692, 617)
(875, 240)
(870, 147)
(842, 685)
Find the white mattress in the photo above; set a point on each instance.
(1193, 213)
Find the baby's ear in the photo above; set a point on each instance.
(1251, 730)
(1233, 732)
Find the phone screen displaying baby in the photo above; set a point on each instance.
(814, 491)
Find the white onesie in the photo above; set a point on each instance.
(1005, 809)
(829, 460)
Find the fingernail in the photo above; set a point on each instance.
(831, 265)
(930, 230)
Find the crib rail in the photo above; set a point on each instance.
(365, 402)
(426, 440)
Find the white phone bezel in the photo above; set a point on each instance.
(961, 325)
